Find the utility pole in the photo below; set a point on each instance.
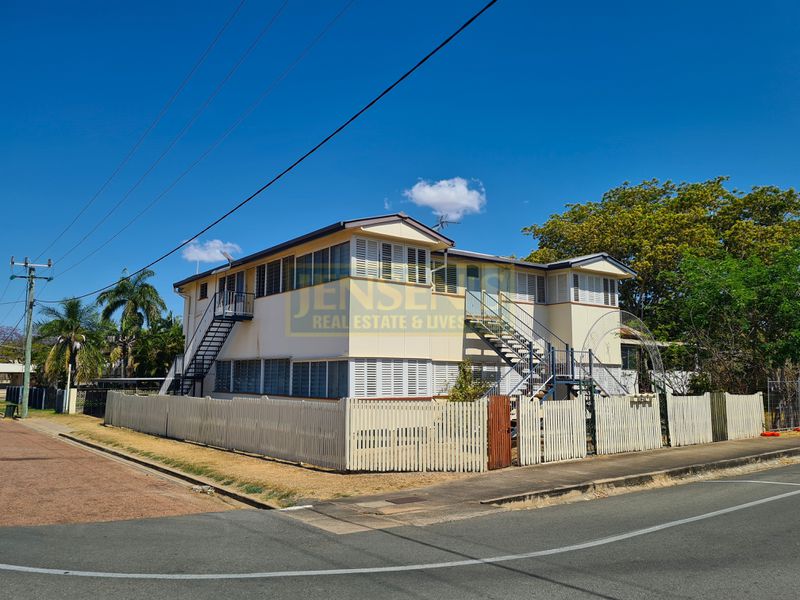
(29, 302)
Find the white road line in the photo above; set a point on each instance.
(402, 568)
(750, 481)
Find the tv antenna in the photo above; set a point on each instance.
(442, 222)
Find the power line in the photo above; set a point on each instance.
(303, 157)
(187, 126)
(244, 115)
(150, 128)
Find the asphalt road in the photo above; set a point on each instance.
(720, 539)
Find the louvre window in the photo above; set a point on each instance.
(417, 265)
(337, 379)
(366, 258)
(593, 289)
(261, 275)
(246, 376)
(300, 379)
(276, 376)
(444, 278)
(340, 261)
(273, 277)
(287, 274)
(222, 376)
(303, 264)
(530, 288)
(203, 291)
(576, 295)
(390, 378)
(319, 379)
(322, 266)
(444, 377)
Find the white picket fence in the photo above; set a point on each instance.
(627, 423)
(689, 419)
(550, 431)
(147, 414)
(745, 415)
(417, 436)
(529, 431)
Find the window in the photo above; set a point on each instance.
(276, 376)
(303, 264)
(322, 266)
(340, 261)
(287, 274)
(530, 287)
(594, 289)
(319, 379)
(203, 291)
(300, 381)
(222, 376)
(630, 357)
(444, 377)
(417, 265)
(485, 372)
(444, 279)
(273, 277)
(390, 378)
(366, 258)
(337, 379)
(246, 376)
(393, 262)
(261, 271)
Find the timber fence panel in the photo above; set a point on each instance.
(689, 420)
(147, 414)
(744, 415)
(564, 429)
(627, 423)
(416, 436)
(529, 431)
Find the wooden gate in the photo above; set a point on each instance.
(499, 432)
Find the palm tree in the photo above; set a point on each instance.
(140, 304)
(74, 332)
(157, 347)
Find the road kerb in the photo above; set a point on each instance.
(640, 479)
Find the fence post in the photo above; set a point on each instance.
(347, 429)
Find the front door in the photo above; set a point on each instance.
(491, 287)
(474, 300)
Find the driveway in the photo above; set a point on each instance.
(45, 480)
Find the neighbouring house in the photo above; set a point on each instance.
(386, 307)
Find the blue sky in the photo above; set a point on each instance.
(537, 105)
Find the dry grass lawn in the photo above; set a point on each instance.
(278, 483)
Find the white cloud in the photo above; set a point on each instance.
(448, 198)
(386, 204)
(209, 251)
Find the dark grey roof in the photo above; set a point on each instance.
(318, 233)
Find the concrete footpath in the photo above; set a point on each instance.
(492, 492)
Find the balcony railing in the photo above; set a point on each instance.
(233, 304)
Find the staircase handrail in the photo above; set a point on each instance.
(486, 308)
(535, 323)
(202, 325)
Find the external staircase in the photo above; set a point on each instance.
(218, 320)
(539, 360)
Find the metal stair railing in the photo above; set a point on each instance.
(529, 325)
(479, 310)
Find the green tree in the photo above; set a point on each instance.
(653, 225)
(76, 336)
(138, 303)
(741, 316)
(467, 388)
(157, 346)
